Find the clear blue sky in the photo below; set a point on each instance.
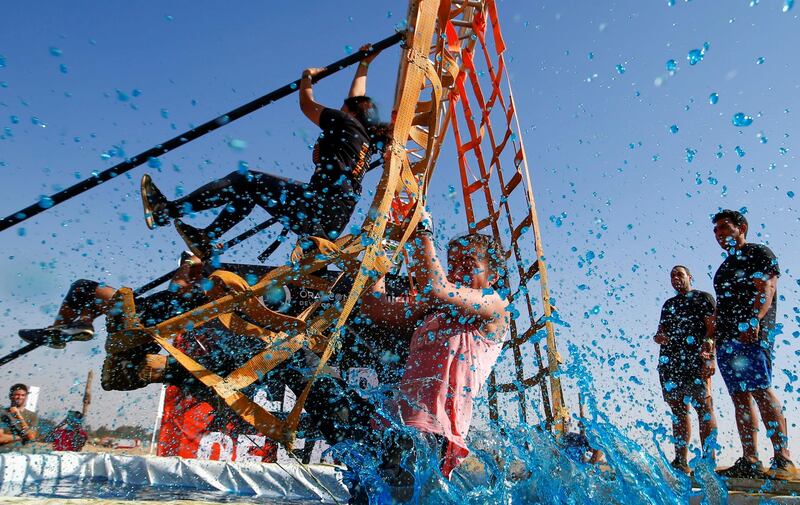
(602, 156)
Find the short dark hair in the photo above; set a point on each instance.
(683, 267)
(734, 216)
(494, 248)
(17, 387)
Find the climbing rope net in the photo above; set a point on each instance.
(452, 76)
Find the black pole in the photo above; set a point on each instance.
(188, 136)
(19, 352)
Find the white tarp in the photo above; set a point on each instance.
(289, 482)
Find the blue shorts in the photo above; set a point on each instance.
(744, 367)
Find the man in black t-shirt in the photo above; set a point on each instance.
(685, 363)
(322, 208)
(746, 286)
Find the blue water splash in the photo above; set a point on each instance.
(741, 119)
(695, 56)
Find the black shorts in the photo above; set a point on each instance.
(686, 388)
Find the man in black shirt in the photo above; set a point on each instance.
(746, 286)
(685, 362)
(322, 207)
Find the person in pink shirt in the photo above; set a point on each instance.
(459, 323)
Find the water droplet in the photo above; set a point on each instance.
(122, 96)
(695, 56)
(790, 194)
(673, 129)
(741, 119)
(740, 151)
(620, 68)
(753, 3)
(672, 65)
(14, 119)
(690, 154)
(348, 49)
(591, 56)
(164, 113)
(2, 61)
(169, 17)
(713, 98)
(237, 144)
(22, 232)
(787, 5)
(783, 150)
(63, 68)
(45, 202)
(760, 60)
(154, 163)
(762, 138)
(293, 85)
(54, 51)
(671, 3)
(136, 92)
(713, 181)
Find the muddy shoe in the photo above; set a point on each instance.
(156, 212)
(782, 469)
(153, 369)
(744, 469)
(57, 336)
(196, 240)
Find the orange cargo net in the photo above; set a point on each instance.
(492, 162)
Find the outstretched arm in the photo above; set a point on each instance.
(433, 281)
(308, 105)
(359, 84)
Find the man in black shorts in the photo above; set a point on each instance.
(746, 284)
(685, 363)
(322, 208)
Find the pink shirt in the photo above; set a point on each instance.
(448, 362)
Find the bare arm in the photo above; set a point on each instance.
(766, 294)
(359, 85)
(660, 338)
(308, 105)
(431, 278)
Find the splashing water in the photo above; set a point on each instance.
(741, 119)
(513, 463)
(695, 56)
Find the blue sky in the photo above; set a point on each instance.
(619, 202)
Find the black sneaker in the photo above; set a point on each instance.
(782, 469)
(744, 469)
(196, 239)
(155, 204)
(57, 336)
